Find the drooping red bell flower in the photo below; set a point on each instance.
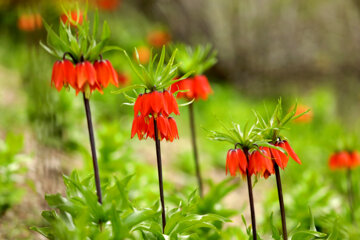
(158, 38)
(75, 18)
(29, 22)
(260, 162)
(281, 158)
(105, 73)
(155, 103)
(236, 160)
(86, 77)
(63, 74)
(139, 127)
(144, 54)
(344, 159)
(197, 87)
(107, 5)
(306, 118)
(158, 105)
(123, 78)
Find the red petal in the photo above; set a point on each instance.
(69, 73)
(102, 73)
(57, 76)
(233, 162)
(138, 104)
(113, 75)
(291, 152)
(157, 102)
(242, 161)
(201, 87)
(134, 128)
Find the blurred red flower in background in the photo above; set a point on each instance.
(307, 117)
(344, 159)
(158, 38)
(197, 87)
(29, 22)
(144, 54)
(158, 105)
(108, 5)
(123, 78)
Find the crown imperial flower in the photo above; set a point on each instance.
(158, 105)
(344, 159)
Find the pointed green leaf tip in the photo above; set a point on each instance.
(80, 40)
(156, 75)
(195, 59)
(270, 127)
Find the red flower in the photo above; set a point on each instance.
(86, 76)
(158, 105)
(107, 4)
(291, 152)
(307, 117)
(261, 163)
(281, 158)
(29, 22)
(123, 78)
(144, 54)
(75, 18)
(158, 38)
(173, 131)
(105, 73)
(344, 159)
(197, 88)
(63, 74)
(236, 160)
(139, 127)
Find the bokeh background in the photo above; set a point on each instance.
(304, 51)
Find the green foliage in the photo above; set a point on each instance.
(249, 138)
(80, 42)
(80, 216)
(11, 168)
(197, 59)
(157, 75)
(271, 125)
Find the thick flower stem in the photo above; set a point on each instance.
(159, 166)
(93, 149)
(281, 201)
(196, 155)
(350, 195)
(251, 199)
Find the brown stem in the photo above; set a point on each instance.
(251, 198)
(159, 167)
(281, 201)
(93, 148)
(194, 146)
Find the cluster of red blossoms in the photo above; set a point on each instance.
(260, 162)
(344, 159)
(155, 105)
(83, 75)
(197, 87)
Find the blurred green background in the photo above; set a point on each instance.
(304, 51)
